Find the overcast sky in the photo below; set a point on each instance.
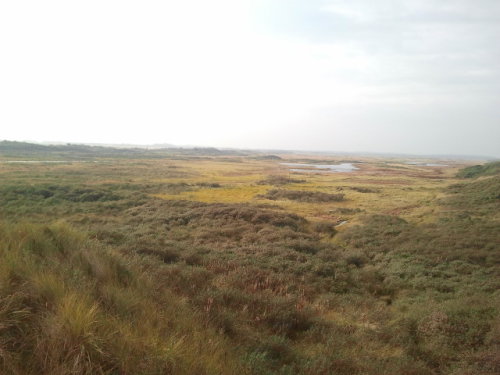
(402, 76)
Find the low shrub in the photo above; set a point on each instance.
(279, 180)
(325, 227)
(302, 196)
(360, 189)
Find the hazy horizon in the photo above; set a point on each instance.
(166, 145)
(406, 77)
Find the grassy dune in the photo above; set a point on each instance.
(71, 305)
(183, 264)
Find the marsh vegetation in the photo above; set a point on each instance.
(171, 263)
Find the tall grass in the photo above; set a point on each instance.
(71, 306)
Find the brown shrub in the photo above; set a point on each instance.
(302, 196)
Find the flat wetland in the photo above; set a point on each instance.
(182, 263)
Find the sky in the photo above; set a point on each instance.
(392, 76)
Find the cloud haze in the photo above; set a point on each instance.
(388, 76)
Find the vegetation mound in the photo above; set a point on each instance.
(482, 192)
(487, 169)
(302, 196)
(279, 180)
(56, 193)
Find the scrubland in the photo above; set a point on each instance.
(229, 264)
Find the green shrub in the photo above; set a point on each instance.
(487, 169)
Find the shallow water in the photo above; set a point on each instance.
(426, 164)
(301, 167)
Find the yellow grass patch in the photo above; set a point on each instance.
(234, 194)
